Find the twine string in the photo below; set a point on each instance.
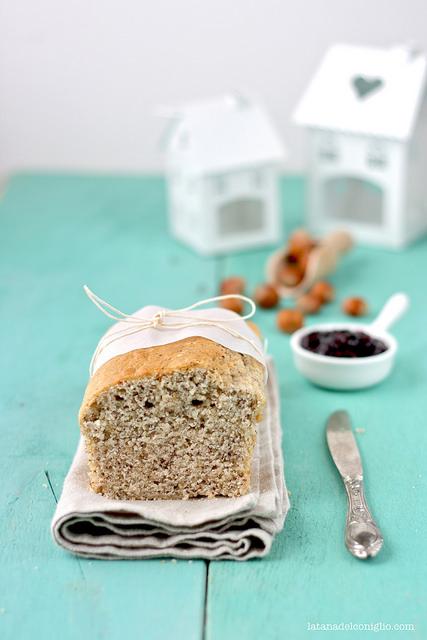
(177, 319)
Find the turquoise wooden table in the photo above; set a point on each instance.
(58, 232)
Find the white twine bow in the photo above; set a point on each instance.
(157, 321)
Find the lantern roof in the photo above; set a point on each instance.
(226, 133)
(365, 90)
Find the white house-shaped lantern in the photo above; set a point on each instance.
(222, 164)
(367, 117)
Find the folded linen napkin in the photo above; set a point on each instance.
(91, 525)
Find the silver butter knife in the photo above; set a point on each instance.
(362, 536)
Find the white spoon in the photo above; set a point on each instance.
(351, 373)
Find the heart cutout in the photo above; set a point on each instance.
(365, 86)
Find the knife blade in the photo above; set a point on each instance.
(362, 535)
(342, 445)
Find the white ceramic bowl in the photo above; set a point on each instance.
(351, 373)
(343, 373)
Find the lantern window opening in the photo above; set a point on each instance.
(241, 215)
(358, 200)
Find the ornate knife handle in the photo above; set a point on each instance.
(362, 536)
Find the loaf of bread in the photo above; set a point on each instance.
(173, 422)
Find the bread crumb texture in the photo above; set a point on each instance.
(173, 422)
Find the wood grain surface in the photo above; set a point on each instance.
(59, 232)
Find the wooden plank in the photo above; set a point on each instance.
(309, 576)
(58, 233)
(51, 594)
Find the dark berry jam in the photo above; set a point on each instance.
(343, 344)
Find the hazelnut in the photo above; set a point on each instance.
(355, 306)
(289, 320)
(289, 274)
(303, 259)
(323, 290)
(232, 304)
(292, 257)
(298, 257)
(266, 296)
(309, 303)
(234, 284)
(300, 239)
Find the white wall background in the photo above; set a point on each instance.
(80, 79)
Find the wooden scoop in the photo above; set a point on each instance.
(322, 260)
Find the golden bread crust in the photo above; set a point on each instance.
(190, 353)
